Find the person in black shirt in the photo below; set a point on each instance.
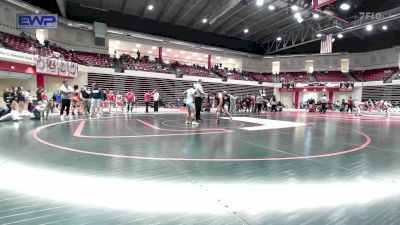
(222, 100)
(7, 98)
(39, 94)
(85, 96)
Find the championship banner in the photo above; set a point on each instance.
(57, 67)
(62, 68)
(51, 66)
(72, 69)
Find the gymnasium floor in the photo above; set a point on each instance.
(284, 168)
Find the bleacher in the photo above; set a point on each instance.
(330, 76)
(297, 77)
(193, 70)
(374, 75)
(264, 77)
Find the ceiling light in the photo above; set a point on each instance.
(169, 50)
(340, 35)
(194, 54)
(182, 52)
(246, 31)
(319, 35)
(188, 57)
(218, 57)
(163, 54)
(260, 2)
(199, 59)
(345, 6)
(153, 48)
(300, 19)
(150, 52)
(175, 55)
(271, 7)
(205, 56)
(297, 15)
(333, 40)
(138, 45)
(204, 20)
(384, 27)
(316, 16)
(150, 7)
(369, 27)
(295, 7)
(279, 39)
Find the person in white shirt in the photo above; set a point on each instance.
(189, 94)
(323, 104)
(66, 94)
(198, 94)
(156, 99)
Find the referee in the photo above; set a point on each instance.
(198, 94)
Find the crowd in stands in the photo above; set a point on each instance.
(27, 44)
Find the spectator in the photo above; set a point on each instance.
(66, 94)
(97, 97)
(350, 105)
(198, 98)
(156, 99)
(147, 96)
(85, 96)
(260, 102)
(323, 104)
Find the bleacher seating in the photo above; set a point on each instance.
(32, 46)
(264, 77)
(374, 75)
(297, 77)
(330, 76)
(193, 70)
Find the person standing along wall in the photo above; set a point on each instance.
(66, 94)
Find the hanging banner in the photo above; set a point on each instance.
(72, 69)
(62, 68)
(55, 66)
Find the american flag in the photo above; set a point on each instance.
(326, 44)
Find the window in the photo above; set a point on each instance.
(344, 65)
(276, 67)
(309, 66)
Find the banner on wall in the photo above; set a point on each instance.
(56, 67)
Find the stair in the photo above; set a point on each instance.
(350, 77)
(311, 77)
(394, 76)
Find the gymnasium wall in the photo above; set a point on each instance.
(358, 61)
(170, 90)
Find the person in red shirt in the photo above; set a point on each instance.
(44, 96)
(350, 104)
(130, 99)
(147, 96)
(111, 100)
